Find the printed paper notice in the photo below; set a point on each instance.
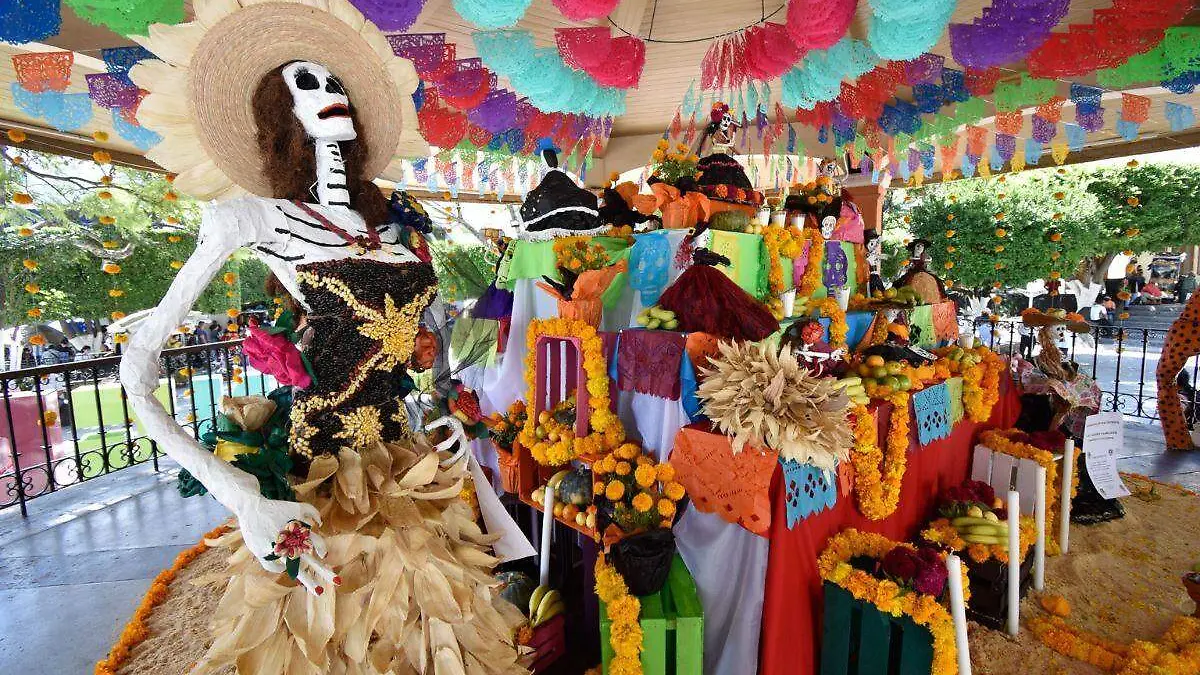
(1103, 435)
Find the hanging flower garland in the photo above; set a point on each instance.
(606, 429)
(810, 281)
(878, 476)
(830, 309)
(981, 385)
(781, 243)
(834, 566)
(623, 610)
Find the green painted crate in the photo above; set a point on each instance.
(861, 640)
(672, 627)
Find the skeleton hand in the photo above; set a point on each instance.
(280, 535)
(837, 354)
(458, 436)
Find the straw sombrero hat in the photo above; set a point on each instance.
(1073, 321)
(200, 91)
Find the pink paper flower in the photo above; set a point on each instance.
(276, 356)
(293, 540)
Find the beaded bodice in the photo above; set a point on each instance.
(363, 319)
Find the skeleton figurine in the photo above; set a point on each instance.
(722, 128)
(874, 255)
(286, 235)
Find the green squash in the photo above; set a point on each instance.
(576, 487)
(517, 588)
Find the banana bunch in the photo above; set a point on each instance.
(981, 527)
(545, 604)
(852, 387)
(655, 317)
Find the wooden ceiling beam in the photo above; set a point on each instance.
(67, 144)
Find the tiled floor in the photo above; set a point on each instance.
(73, 571)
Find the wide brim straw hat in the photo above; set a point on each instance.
(200, 91)
(1038, 319)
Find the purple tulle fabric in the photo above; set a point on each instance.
(1005, 32)
(390, 15)
(495, 303)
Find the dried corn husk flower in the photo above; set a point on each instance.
(764, 397)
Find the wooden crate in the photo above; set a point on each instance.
(989, 590)
(861, 640)
(672, 627)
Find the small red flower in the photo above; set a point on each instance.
(293, 540)
(275, 355)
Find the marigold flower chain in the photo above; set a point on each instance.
(879, 476)
(1002, 441)
(624, 610)
(838, 328)
(811, 279)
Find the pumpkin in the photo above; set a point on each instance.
(516, 587)
(576, 487)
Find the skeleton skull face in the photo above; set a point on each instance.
(874, 252)
(827, 225)
(918, 252)
(319, 102)
(829, 168)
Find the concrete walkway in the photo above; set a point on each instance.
(72, 573)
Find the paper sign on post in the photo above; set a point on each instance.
(1103, 435)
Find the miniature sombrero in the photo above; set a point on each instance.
(1055, 317)
(200, 92)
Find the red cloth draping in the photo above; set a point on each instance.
(791, 628)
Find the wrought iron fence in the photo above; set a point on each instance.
(65, 424)
(1123, 361)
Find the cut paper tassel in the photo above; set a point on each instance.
(390, 15)
(976, 140)
(140, 136)
(492, 14)
(1091, 121)
(1033, 151)
(819, 76)
(112, 91)
(1059, 151)
(1006, 145)
(611, 62)
(924, 69)
(995, 161)
(1115, 34)
(128, 17)
(1005, 32)
(1017, 161)
(29, 20)
(1076, 136)
(583, 10)
(982, 82)
(65, 112)
(1043, 130)
(968, 165)
(119, 60)
(1135, 108)
(1128, 129)
(819, 24)
(902, 29)
(1010, 122)
(43, 71)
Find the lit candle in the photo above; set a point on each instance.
(1039, 517)
(547, 531)
(1064, 494)
(958, 611)
(1014, 562)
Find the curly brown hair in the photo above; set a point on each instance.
(288, 158)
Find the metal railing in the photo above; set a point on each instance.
(65, 424)
(1123, 361)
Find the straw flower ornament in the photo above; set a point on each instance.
(200, 91)
(764, 397)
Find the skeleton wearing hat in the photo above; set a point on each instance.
(378, 566)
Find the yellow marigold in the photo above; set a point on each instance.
(25, 231)
(117, 315)
(32, 288)
(16, 136)
(100, 136)
(107, 220)
(598, 488)
(1000, 215)
(665, 472)
(999, 248)
(950, 234)
(176, 264)
(674, 491)
(111, 268)
(121, 338)
(615, 491)
(623, 468)
(34, 313)
(106, 180)
(628, 451)
(229, 278)
(658, 156)
(949, 216)
(949, 264)
(644, 475)
(229, 294)
(1133, 201)
(951, 249)
(104, 194)
(1000, 231)
(666, 508)
(1055, 255)
(109, 243)
(115, 292)
(1132, 232)
(232, 313)
(643, 502)
(22, 199)
(38, 340)
(170, 196)
(101, 156)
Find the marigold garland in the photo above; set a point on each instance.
(879, 476)
(838, 328)
(606, 428)
(1063, 638)
(810, 281)
(137, 630)
(781, 243)
(624, 610)
(981, 385)
(834, 566)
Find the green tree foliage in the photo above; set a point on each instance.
(141, 228)
(1091, 213)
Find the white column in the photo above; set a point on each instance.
(1039, 515)
(1014, 562)
(1064, 495)
(547, 532)
(958, 611)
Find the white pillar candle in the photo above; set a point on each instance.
(547, 531)
(1039, 517)
(1014, 562)
(1064, 495)
(958, 611)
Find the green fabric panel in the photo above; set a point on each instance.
(922, 316)
(954, 386)
(743, 251)
(529, 260)
(875, 641)
(618, 250)
(835, 643)
(916, 647)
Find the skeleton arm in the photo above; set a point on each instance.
(260, 519)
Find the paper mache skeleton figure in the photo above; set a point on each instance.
(303, 123)
(721, 128)
(928, 285)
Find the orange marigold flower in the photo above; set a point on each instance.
(22, 199)
(115, 292)
(32, 288)
(16, 136)
(104, 194)
(229, 278)
(232, 313)
(106, 180)
(38, 340)
(25, 231)
(615, 491)
(111, 268)
(643, 502)
(117, 315)
(34, 313)
(30, 264)
(1133, 201)
(101, 156)
(1056, 236)
(100, 136)
(176, 264)
(121, 338)
(107, 220)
